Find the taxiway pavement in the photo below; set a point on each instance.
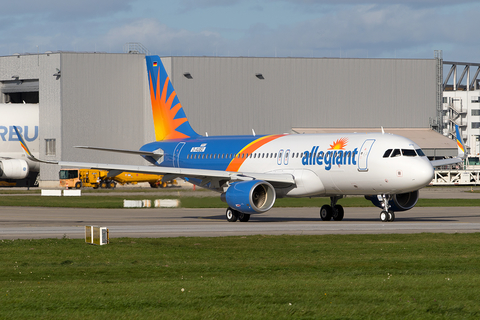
(34, 223)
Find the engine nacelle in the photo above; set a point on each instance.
(254, 196)
(14, 169)
(399, 202)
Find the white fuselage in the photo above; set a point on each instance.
(321, 164)
(26, 118)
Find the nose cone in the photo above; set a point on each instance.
(424, 173)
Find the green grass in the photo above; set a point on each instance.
(205, 202)
(415, 276)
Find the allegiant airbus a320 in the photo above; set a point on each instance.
(250, 172)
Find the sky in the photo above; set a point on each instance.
(410, 29)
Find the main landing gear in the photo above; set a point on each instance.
(386, 215)
(233, 215)
(334, 210)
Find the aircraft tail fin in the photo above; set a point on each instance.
(461, 147)
(169, 119)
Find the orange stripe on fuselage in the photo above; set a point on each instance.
(237, 162)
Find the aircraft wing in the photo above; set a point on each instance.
(214, 177)
(461, 152)
(444, 162)
(206, 176)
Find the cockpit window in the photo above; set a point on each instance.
(396, 153)
(387, 153)
(420, 152)
(409, 153)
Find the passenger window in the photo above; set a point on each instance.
(387, 153)
(396, 153)
(420, 152)
(409, 152)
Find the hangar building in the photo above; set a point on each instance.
(100, 99)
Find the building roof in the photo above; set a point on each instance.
(426, 138)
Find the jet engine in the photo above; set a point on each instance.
(254, 196)
(13, 169)
(399, 202)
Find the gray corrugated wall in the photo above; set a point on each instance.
(103, 99)
(225, 97)
(104, 104)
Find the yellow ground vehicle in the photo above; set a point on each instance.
(155, 180)
(78, 178)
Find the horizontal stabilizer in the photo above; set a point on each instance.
(135, 152)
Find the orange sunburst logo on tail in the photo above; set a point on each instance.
(340, 144)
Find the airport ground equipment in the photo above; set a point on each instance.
(80, 178)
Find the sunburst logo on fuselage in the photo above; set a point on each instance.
(340, 144)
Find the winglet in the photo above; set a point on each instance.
(24, 146)
(461, 147)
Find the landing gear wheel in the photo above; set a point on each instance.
(391, 216)
(384, 216)
(338, 213)
(326, 212)
(78, 185)
(232, 215)
(243, 217)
